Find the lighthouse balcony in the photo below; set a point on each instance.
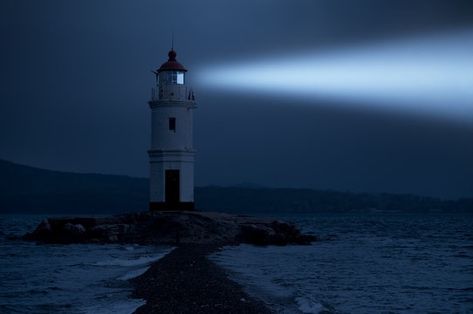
(172, 93)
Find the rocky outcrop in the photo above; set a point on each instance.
(169, 228)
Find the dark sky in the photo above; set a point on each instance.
(75, 79)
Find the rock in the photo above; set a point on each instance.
(112, 238)
(174, 228)
(43, 232)
(73, 233)
(100, 231)
(255, 234)
(44, 227)
(77, 229)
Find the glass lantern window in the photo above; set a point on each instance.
(180, 78)
(176, 77)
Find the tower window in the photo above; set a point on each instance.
(172, 124)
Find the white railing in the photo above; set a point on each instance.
(155, 95)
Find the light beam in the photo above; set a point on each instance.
(431, 75)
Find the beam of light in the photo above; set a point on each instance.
(429, 76)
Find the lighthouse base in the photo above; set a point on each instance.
(163, 206)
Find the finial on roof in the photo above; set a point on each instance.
(172, 55)
(171, 64)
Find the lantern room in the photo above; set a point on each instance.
(171, 72)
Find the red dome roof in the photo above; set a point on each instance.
(171, 64)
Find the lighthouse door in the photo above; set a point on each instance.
(172, 188)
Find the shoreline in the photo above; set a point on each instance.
(186, 281)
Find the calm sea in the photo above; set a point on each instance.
(365, 263)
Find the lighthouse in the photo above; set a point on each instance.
(171, 155)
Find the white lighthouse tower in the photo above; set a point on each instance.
(171, 155)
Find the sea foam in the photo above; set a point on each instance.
(142, 260)
(308, 306)
(134, 273)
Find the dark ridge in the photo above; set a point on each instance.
(26, 189)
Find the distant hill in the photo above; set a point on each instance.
(236, 199)
(25, 189)
(33, 190)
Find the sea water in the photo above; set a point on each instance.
(371, 262)
(79, 278)
(364, 263)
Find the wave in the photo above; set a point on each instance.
(142, 260)
(134, 273)
(308, 306)
(123, 307)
